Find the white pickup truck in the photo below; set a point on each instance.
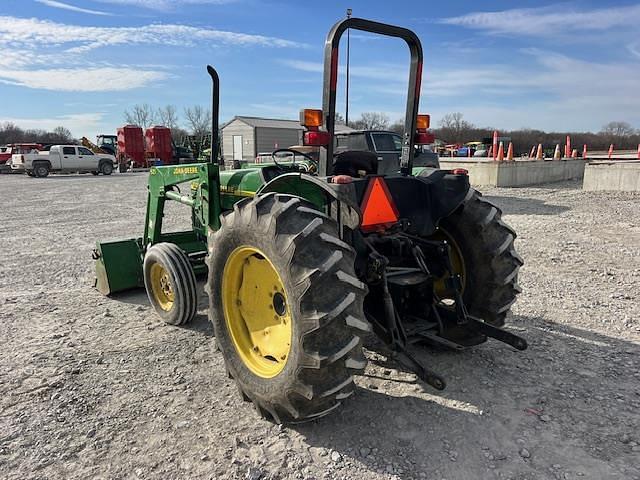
(63, 158)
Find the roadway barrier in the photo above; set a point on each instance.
(523, 172)
(620, 176)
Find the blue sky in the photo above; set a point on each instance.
(570, 66)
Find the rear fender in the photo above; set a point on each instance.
(336, 200)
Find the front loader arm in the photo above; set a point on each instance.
(203, 198)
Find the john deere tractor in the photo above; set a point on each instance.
(306, 258)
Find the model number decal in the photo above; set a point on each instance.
(185, 170)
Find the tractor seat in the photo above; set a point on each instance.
(355, 163)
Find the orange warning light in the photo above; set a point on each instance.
(423, 122)
(310, 118)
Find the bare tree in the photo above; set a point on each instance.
(198, 120)
(178, 134)
(397, 126)
(371, 121)
(10, 133)
(141, 115)
(168, 116)
(618, 129)
(62, 135)
(454, 128)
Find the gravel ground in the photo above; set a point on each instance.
(92, 387)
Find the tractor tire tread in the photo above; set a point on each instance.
(326, 300)
(177, 263)
(487, 244)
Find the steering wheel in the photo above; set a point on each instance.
(293, 152)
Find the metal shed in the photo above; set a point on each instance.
(244, 137)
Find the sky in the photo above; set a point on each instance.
(571, 66)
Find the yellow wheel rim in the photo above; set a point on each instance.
(256, 311)
(161, 287)
(457, 262)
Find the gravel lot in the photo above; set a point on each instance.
(92, 387)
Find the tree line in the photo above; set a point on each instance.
(197, 119)
(12, 133)
(453, 128)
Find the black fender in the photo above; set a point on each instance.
(421, 201)
(337, 200)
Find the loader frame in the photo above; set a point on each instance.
(119, 264)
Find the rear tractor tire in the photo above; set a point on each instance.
(484, 245)
(286, 307)
(170, 283)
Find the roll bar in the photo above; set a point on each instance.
(331, 79)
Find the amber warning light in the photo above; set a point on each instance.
(310, 118)
(422, 137)
(423, 122)
(312, 121)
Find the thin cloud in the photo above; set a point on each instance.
(73, 8)
(381, 71)
(553, 90)
(548, 20)
(81, 79)
(165, 5)
(27, 45)
(35, 32)
(365, 37)
(304, 66)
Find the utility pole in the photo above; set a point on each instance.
(346, 109)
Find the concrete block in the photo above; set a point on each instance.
(516, 174)
(621, 176)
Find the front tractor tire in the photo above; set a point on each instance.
(170, 283)
(484, 254)
(286, 307)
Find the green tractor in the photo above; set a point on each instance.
(304, 261)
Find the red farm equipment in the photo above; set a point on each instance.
(158, 144)
(130, 148)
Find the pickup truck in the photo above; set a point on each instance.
(63, 158)
(7, 151)
(386, 145)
